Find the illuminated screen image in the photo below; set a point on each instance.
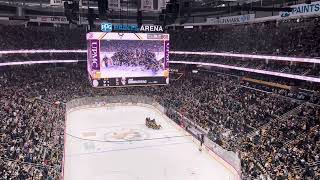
(131, 58)
(128, 59)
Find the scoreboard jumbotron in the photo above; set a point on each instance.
(127, 59)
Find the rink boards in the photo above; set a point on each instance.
(114, 143)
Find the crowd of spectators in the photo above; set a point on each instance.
(275, 131)
(290, 38)
(135, 58)
(120, 45)
(134, 53)
(288, 148)
(298, 38)
(32, 119)
(21, 37)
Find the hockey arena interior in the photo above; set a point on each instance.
(159, 90)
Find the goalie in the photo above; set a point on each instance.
(151, 123)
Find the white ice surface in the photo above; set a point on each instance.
(163, 158)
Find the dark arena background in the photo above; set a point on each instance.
(159, 90)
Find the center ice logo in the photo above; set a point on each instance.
(125, 134)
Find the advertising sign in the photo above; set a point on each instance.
(231, 19)
(109, 27)
(302, 9)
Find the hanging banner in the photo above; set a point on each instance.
(162, 4)
(56, 2)
(114, 4)
(147, 5)
(232, 19)
(50, 19)
(302, 10)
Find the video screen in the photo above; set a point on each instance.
(128, 59)
(132, 58)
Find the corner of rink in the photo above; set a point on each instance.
(113, 142)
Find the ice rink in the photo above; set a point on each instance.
(113, 143)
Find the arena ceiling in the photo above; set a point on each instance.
(43, 7)
(132, 4)
(200, 8)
